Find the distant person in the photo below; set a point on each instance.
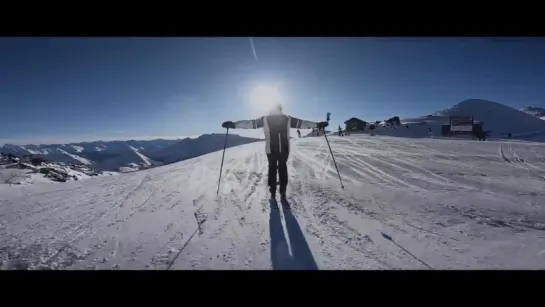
(509, 135)
(276, 127)
(340, 131)
(299, 133)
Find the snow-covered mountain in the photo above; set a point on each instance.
(189, 148)
(127, 155)
(407, 204)
(107, 156)
(17, 171)
(86, 147)
(535, 111)
(497, 118)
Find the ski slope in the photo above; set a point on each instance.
(498, 119)
(407, 204)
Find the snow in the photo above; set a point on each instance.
(193, 147)
(127, 169)
(407, 204)
(535, 111)
(13, 176)
(23, 173)
(76, 157)
(145, 159)
(497, 118)
(78, 148)
(29, 178)
(106, 173)
(111, 155)
(31, 151)
(67, 170)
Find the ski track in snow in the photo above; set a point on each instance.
(407, 204)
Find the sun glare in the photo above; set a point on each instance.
(264, 97)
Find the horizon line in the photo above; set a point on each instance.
(59, 141)
(53, 141)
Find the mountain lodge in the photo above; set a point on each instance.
(355, 124)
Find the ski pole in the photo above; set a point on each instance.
(387, 237)
(332, 156)
(342, 186)
(223, 156)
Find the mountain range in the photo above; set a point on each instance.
(131, 155)
(127, 155)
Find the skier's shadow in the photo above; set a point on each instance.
(301, 258)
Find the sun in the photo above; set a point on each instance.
(265, 97)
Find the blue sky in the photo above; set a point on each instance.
(84, 89)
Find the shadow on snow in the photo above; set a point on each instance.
(301, 257)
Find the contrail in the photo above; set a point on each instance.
(253, 48)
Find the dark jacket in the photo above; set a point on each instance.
(277, 130)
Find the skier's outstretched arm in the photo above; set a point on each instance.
(249, 124)
(298, 123)
(244, 124)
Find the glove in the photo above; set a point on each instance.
(322, 125)
(228, 125)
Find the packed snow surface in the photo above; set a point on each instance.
(407, 204)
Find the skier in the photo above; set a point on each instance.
(276, 127)
(299, 133)
(340, 131)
